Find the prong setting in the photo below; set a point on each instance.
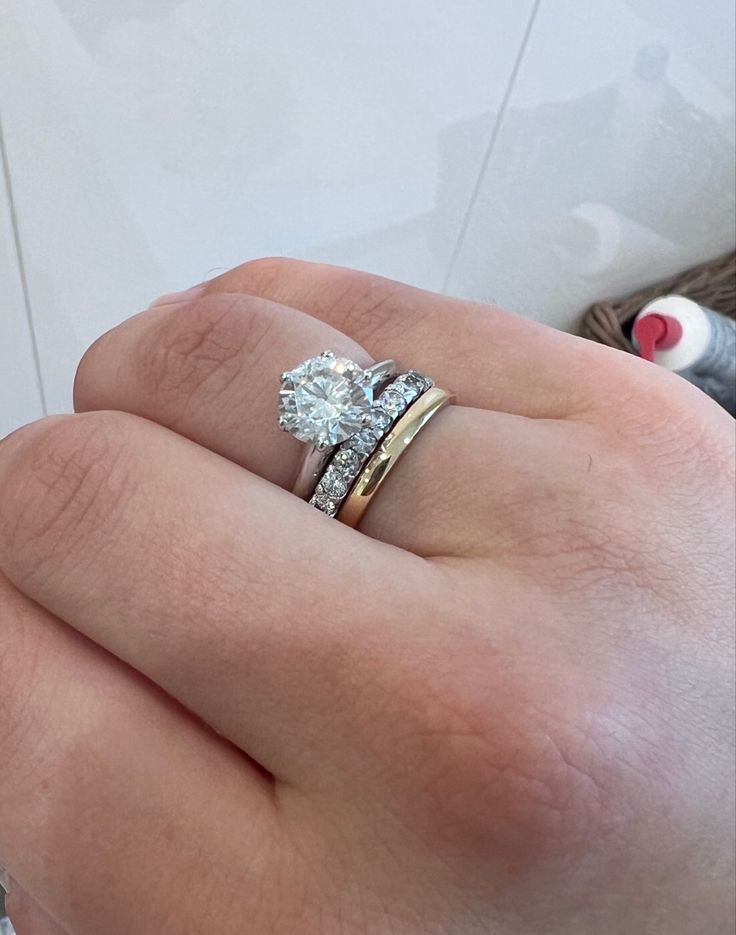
(324, 400)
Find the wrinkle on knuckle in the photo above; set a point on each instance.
(198, 353)
(664, 419)
(264, 275)
(502, 768)
(70, 478)
(368, 308)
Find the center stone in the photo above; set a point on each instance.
(325, 400)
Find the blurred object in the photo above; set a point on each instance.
(6, 927)
(597, 241)
(676, 333)
(608, 185)
(712, 284)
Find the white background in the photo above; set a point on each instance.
(542, 154)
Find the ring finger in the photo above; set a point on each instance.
(209, 369)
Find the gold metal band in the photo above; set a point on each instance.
(388, 453)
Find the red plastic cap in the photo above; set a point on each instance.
(656, 332)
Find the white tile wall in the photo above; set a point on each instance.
(20, 388)
(614, 162)
(540, 153)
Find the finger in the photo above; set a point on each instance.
(210, 370)
(240, 600)
(486, 356)
(28, 917)
(112, 800)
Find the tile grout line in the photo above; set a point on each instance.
(15, 227)
(463, 233)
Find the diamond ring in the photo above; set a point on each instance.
(325, 401)
(346, 464)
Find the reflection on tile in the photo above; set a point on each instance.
(614, 164)
(20, 398)
(158, 141)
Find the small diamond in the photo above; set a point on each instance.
(348, 461)
(392, 401)
(408, 390)
(333, 483)
(364, 443)
(381, 419)
(324, 503)
(415, 380)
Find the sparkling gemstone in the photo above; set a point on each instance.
(325, 400)
(325, 503)
(413, 381)
(408, 390)
(365, 442)
(392, 400)
(333, 483)
(348, 461)
(380, 419)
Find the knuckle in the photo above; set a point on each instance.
(199, 352)
(661, 420)
(264, 275)
(362, 305)
(508, 762)
(369, 306)
(66, 478)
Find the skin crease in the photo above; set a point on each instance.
(504, 707)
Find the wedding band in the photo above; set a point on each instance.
(389, 453)
(324, 401)
(348, 461)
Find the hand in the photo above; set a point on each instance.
(504, 706)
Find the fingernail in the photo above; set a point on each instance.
(4, 880)
(175, 298)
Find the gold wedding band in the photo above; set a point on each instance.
(388, 453)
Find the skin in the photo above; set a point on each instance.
(504, 706)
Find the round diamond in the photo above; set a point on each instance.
(325, 503)
(415, 381)
(348, 461)
(380, 420)
(325, 400)
(365, 442)
(392, 401)
(408, 389)
(333, 484)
